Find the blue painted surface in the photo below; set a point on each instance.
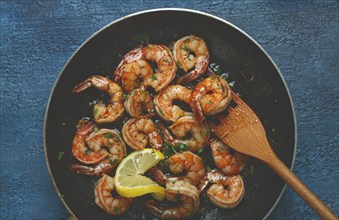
(38, 37)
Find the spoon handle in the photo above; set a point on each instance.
(300, 188)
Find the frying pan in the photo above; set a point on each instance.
(248, 68)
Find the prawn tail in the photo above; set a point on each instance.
(182, 80)
(168, 138)
(158, 175)
(195, 104)
(150, 110)
(203, 184)
(92, 171)
(117, 75)
(82, 86)
(155, 140)
(160, 211)
(156, 209)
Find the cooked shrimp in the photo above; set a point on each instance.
(137, 132)
(80, 149)
(229, 161)
(139, 102)
(133, 74)
(185, 166)
(210, 96)
(160, 54)
(186, 131)
(226, 191)
(164, 102)
(98, 141)
(114, 109)
(180, 192)
(105, 200)
(191, 54)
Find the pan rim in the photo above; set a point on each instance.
(165, 10)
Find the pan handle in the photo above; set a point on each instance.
(301, 189)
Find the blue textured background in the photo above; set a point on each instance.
(38, 37)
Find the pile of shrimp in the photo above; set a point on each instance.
(149, 96)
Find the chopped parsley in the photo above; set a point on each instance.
(124, 96)
(153, 153)
(108, 135)
(143, 40)
(154, 77)
(217, 69)
(168, 150)
(210, 102)
(116, 209)
(185, 48)
(112, 162)
(88, 151)
(95, 111)
(60, 155)
(182, 147)
(200, 150)
(137, 84)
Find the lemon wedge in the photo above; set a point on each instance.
(129, 180)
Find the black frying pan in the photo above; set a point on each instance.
(255, 77)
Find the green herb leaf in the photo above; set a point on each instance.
(154, 77)
(210, 102)
(108, 135)
(188, 50)
(124, 96)
(116, 209)
(60, 155)
(168, 150)
(143, 40)
(137, 84)
(153, 153)
(182, 147)
(88, 151)
(95, 111)
(217, 69)
(200, 150)
(112, 162)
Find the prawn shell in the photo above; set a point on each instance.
(229, 161)
(137, 132)
(182, 53)
(227, 198)
(166, 67)
(104, 199)
(79, 148)
(200, 132)
(163, 102)
(210, 96)
(188, 195)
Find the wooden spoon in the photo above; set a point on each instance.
(242, 130)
